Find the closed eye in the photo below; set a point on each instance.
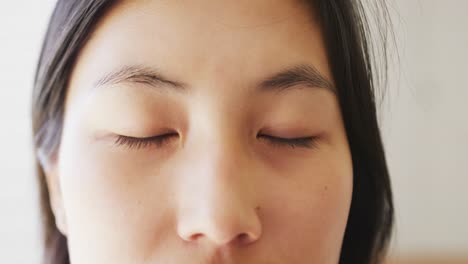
(305, 142)
(138, 143)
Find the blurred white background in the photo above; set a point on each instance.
(425, 128)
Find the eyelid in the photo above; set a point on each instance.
(304, 142)
(138, 143)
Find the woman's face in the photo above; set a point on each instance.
(203, 132)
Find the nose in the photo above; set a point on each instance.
(218, 200)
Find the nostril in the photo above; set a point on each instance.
(240, 239)
(244, 238)
(194, 237)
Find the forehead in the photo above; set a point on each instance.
(222, 41)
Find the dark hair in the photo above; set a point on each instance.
(352, 57)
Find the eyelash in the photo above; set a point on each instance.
(304, 142)
(138, 143)
(161, 140)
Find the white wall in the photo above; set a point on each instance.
(22, 26)
(425, 127)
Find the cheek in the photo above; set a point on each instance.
(309, 210)
(104, 192)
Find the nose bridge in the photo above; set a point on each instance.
(219, 201)
(221, 148)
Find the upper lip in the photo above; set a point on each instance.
(218, 255)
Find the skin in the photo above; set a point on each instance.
(214, 192)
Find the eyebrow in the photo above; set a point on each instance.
(139, 75)
(302, 74)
